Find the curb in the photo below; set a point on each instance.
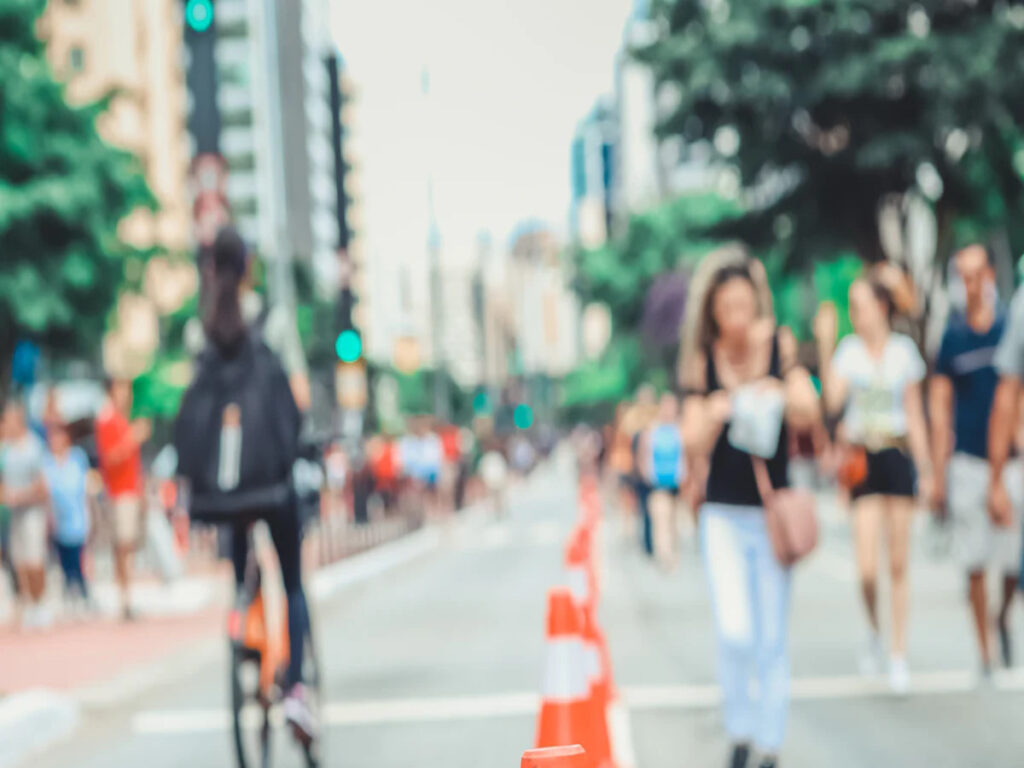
(32, 721)
(329, 581)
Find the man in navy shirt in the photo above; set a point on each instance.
(962, 393)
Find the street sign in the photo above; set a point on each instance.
(350, 385)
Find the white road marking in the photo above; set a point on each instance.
(620, 732)
(526, 704)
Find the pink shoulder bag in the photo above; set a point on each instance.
(790, 516)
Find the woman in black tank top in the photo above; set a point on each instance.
(730, 472)
(736, 345)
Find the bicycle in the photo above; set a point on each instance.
(258, 661)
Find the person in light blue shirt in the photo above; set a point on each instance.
(665, 473)
(65, 468)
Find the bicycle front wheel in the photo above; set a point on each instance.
(250, 712)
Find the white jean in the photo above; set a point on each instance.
(750, 602)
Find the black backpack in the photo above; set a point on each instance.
(250, 390)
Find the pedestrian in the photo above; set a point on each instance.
(735, 347)
(1005, 421)
(65, 468)
(874, 380)
(451, 456)
(619, 467)
(494, 473)
(961, 396)
(664, 468)
(641, 417)
(119, 445)
(383, 462)
(421, 454)
(25, 495)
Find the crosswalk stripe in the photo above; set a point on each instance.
(641, 698)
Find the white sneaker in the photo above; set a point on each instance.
(872, 659)
(44, 619)
(29, 617)
(899, 675)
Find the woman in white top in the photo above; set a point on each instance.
(874, 380)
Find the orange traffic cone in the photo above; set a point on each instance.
(598, 682)
(556, 757)
(579, 571)
(566, 713)
(590, 508)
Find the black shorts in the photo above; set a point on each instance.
(890, 473)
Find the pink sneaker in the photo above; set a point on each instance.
(299, 714)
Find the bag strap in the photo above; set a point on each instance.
(763, 479)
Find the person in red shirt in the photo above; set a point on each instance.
(451, 458)
(118, 443)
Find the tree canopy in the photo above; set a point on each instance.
(63, 193)
(824, 108)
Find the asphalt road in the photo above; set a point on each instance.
(438, 663)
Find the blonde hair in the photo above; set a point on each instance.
(696, 334)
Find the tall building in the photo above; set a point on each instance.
(543, 310)
(647, 170)
(147, 115)
(593, 175)
(273, 125)
(638, 177)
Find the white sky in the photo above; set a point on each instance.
(509, 81)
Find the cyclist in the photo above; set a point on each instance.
(229, 337)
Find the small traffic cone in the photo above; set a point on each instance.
(566, 713)
(556, 757)
(579, 571)
(590, 508)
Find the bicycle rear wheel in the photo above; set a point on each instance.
(250, 713)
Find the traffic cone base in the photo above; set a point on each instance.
(556, 757)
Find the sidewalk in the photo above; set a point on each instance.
(69, 657)
(48, 678)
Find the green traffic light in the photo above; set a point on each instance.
(349, 346)
(199, 14)
(522, 416)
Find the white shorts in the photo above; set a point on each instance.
(977, 541)
(28, 537)
(127, 520)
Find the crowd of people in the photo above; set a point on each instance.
(50, 492)
(855, 411)
(74, 487)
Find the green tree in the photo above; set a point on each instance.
(620, 274)
(824, 109)
(63, 192)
